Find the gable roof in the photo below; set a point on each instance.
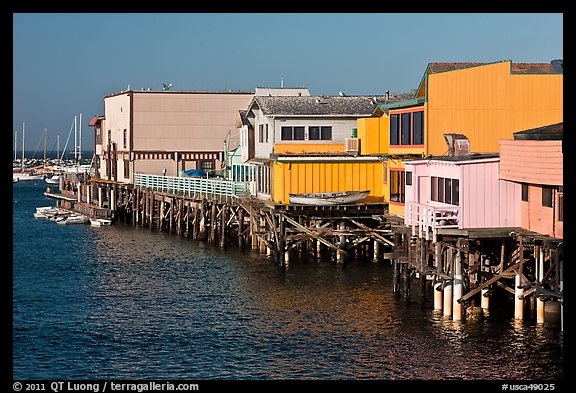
(320, 105)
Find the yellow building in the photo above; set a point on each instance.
(485, 102)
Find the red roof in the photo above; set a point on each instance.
(93, 121)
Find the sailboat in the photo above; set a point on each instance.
(23, 174)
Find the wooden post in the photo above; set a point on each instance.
(99, 196)
(376, 254)
(195, 221)
(447, 307)
(161, 217)
(485, 300)
(240, 228)
(341, 253)
(539, 253)
(518, 285)
(422, 277)
(223, 215)
(171, 215)
(213, 214)
(457, 286)
(438, 284)
(282, 244)
(202, 221)
(395, 276)
(187, 212)
(405, 281)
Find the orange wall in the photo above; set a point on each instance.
(488, 103)
(374, 135)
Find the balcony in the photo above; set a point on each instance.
(427, 220)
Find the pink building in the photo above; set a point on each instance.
(459, 191)
(534, 161)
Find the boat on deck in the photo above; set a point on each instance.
(329, 198)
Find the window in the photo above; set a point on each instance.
(126, 169)
(299, 133)
(313, 133)
(408, 178)
(546, 196)
(261, 133)
(445, 190)
(125, 136)
(419, 128)
(98, 136)
(286, 133)
(206, 165)
(407, 128)
(525, 192)
(326, 133)
(455, 192)
(266, 133)
(394, 130)
(396, 186)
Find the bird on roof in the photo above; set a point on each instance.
(166, 87)
(341, 94)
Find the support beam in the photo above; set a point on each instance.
(458, 287)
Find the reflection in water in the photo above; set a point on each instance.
(125, 302)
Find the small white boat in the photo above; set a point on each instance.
(329, 198)
(54, 179)
(76, 219)
(46, 212)
(20, 176)
(100, 222)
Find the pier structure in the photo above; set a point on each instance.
(463, 267)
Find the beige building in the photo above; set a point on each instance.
(163, 132)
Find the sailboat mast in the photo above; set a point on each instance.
(80, 144)
(15, 144)
(75, 141)
(23, 133)
(44, 145)
(58, 148)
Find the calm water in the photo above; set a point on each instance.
(127, 303)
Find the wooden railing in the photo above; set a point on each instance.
(428, 219)
(195, 187)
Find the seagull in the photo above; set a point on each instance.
(341, 94)
(167, 87)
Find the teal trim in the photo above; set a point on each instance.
(424, 78)
(401, 104)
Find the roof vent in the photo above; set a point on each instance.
(458, 144)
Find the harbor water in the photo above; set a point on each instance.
(124, 302)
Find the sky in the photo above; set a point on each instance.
(64, 64)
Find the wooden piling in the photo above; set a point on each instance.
(223, 218)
